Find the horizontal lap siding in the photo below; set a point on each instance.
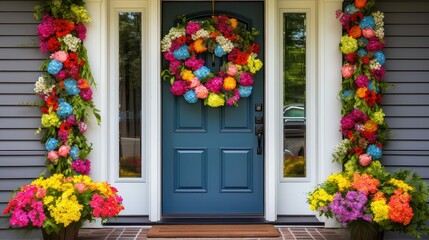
(406, 102)
(21, 153)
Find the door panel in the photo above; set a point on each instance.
(210, 165)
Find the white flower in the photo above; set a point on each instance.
(374, 65)
(72, 42)
(42, 87)
(225, 43)
(200, 34)
(172, 35)
(378, 18)
(379, 32)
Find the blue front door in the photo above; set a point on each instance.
(210, 163)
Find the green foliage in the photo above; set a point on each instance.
(58, 9)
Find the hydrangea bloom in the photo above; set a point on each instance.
(202, 72)
(64, 110)
(190, 96)
(374, 151)
(74, 152)
(367, 22)
(82, 167)
(182, 53)
(70, 85)
(219, 52)
(51, 144)
(54, 66)
(350, 208)
(245, 91)
(379, 56)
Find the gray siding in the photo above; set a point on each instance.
(406, 102)
(21, 153)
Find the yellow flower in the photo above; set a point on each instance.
(187, 75)
(319, 198)
(215, 100)
(254, 64)
(229, 83)
(380, 210)
(81, 14)
(401, 184)
(234, 22)
(342, 182)
(378, 117)
(50, 120)
(348, 44)
(66, 210)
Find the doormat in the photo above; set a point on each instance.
(213, 231)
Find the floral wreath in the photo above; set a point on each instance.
(223, 37)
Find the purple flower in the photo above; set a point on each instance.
(82, 127)
(379, 73)
(359, 116)
(374, 45)
(361, 81)
(350, 208)
(246, 79)
(179, 88)
(82, 167)
(71, 119)
(63, 136)
(214, 85)
(192, 27)
(46, 28)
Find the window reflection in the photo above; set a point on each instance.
(130, 95)
(294, 84)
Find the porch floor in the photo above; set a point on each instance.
(286, 233)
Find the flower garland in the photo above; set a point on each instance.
(365, 191)
(362, 125)
(65, 88)
(223, 37)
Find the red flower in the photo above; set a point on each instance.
(370, 97)
(253, 48)
(63, 27)
(379, 98)
(53, 44)
(65, 127)
(357, 17)
(351, 58)
(365, 60)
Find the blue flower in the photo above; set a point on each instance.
(74, 152)
(374, 151)
(182, 53)
(190, 96)
(219, 52)
(202, 72)
(379, 56)
(370, 85)
(350, 9)
(64, 110)
(71, 86)
(54, 66)
(60, 100)
(51, 144)
(346, 94)
(367, 22)
(245, 91)
(361, 52)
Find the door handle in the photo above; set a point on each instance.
(259, 131)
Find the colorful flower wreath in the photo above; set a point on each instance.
(223, 37)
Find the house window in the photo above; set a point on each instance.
(130, 94)
(294, 95)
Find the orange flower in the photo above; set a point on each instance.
(370, 126)
(198, 46)
(365, 183)
(214, 34)
(379, 196)
(360, 3)
(361, 92)
(355, 32)
(234, 22)
(82, 83)
(399, 208)
(229, 83)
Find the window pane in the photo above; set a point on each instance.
(294, 78)
(130, 74)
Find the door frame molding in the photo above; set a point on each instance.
(272, 146)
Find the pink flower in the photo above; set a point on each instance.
(347, 70)
(41, 193)
(214, 85)
(194, 63)
(174, 66)
(192, 27)
(80, 187)
(232, 70)
(81, 31)
(82, 167)
(194, 83)
(179, 88)
(53, 156)
(64, 150)
(361, 81)
(246, 79)
(72, 119)
(82, 127)
(201, 92)
(232, 100)
(169, 56)
(365, 159)
(86, 94)
(63, 136)
(47, 28)
(368, 33)
(62, 75)
(61, 56)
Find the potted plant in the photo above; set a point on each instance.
(59, 205)
(372, 201)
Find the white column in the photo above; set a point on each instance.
(330, 62)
